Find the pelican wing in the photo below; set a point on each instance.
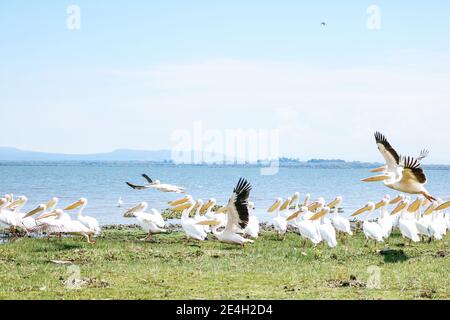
(146, 177)
(136, 187)
(387, 151)
(423, 154)
(412, 172)
(238, 206)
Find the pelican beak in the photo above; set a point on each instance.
(208, 223)
(333, 203)
(443, 206)
(34, 211)
(360, 211)
(206, 206)
(415, 206)
(73, 206)
(182, 207)
(294, 198)
(380, 169)
(294, 215)
(222, 210)
(285, 205)
(381, 177)
(313, 206)
(15, 203)
(50, 203)
(318, 215)
(396, 200)
(430, 209)
(274, 206)
(178, 202)
(130, 212)
(380, 205)
(46, 215)
(399, 208)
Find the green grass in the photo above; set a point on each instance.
(120, 266)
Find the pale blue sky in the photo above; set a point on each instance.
(139, 70)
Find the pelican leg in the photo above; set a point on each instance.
(429, 197)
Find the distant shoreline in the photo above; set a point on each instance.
(325, 164)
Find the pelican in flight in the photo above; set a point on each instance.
(62, 224)
(403, 174)
(89, 222)
(149, 222)
(157, 185)
(238, 215)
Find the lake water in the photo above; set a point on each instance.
(103, 183)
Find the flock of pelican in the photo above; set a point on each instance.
(235, 222)
(46, 219)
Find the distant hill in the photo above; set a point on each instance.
(13, 154)
(165, 156)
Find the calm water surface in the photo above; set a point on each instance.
(103, 183)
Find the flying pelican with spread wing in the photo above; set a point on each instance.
(403, 174)
(157, 185)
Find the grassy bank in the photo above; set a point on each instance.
(120, 266)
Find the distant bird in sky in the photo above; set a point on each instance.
(323, 24)
(119, 202)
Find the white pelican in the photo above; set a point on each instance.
(210, 215)
(157, 185)
(62, 224)
(438, 220)
(442, 207)
(305, 227)
(189, 225)
(422, 223)
(238, 215)
(89, 222)
(326, 230)
(149, 222)
(386, 221)
(279, 222)
(372, 230)
(403, 174)
(252, 228)
(406, 223)
(340, 223)
(11, 215)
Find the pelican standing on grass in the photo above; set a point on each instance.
(403, 174)
(62, 224)
(89, 222)
(341, 224)
(149, 222)
(406, 223)
(305, 227)
(326, 229)
(157, 185)
(372, 230)
(192, 228)
(279, 222)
